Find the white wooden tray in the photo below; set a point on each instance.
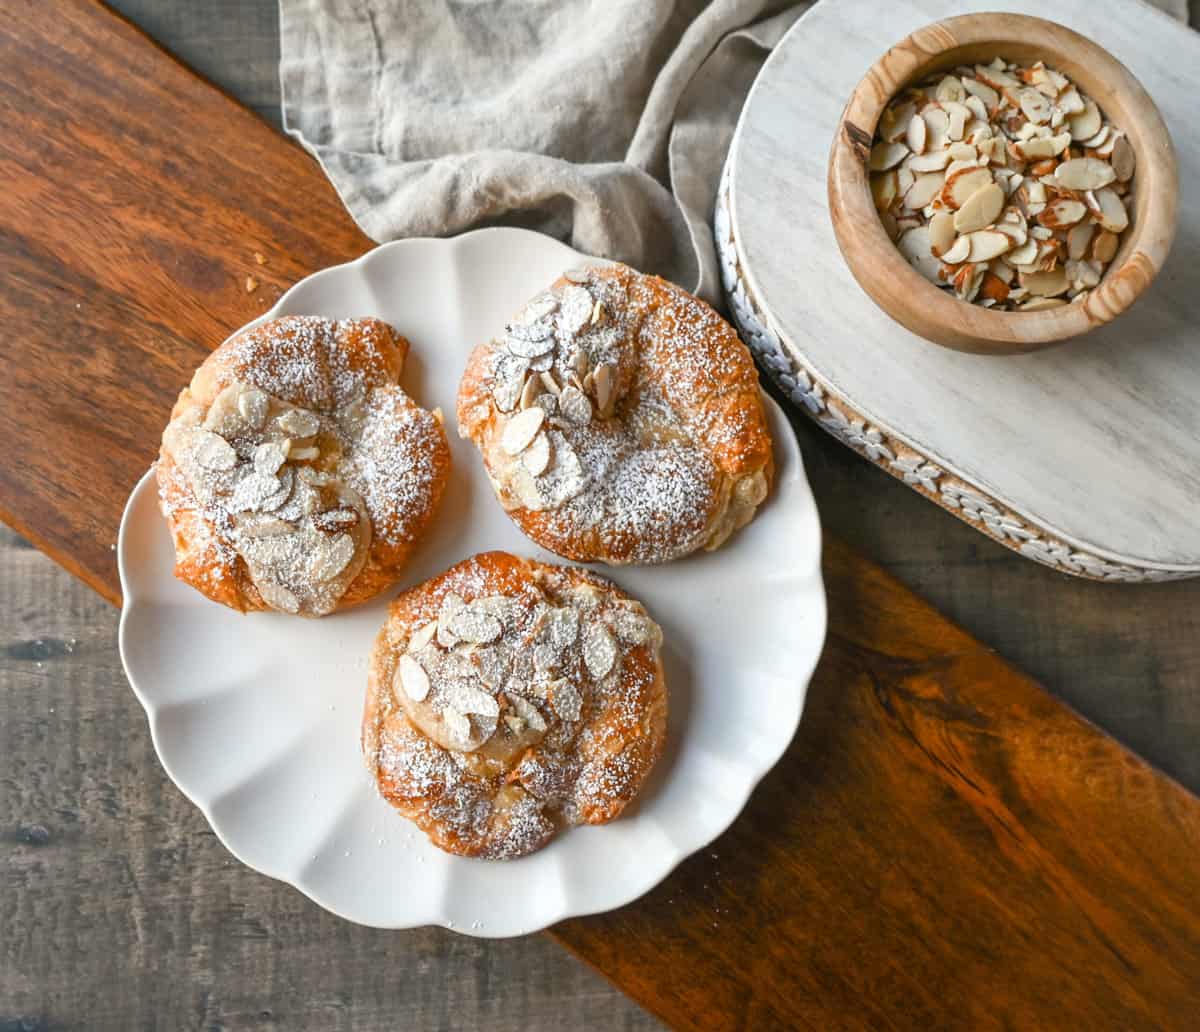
(1086, 456)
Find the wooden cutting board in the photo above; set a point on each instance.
(1086, 456)
(944, 845)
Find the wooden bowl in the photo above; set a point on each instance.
(936, 314)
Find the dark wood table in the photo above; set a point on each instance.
(944, 843)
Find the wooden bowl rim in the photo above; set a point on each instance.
(870, 253)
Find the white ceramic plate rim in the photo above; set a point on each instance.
(782, 725)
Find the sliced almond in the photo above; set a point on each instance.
(916, 135)
(894, 123)
(1123, 159)
(412, 676)
(885, 156)
(980, 210)
(1023, 255)
(530, 390)
(422, 636)
(547, 380)
(1086, 123)
(987, 244)
(958, 251)
(212, 451)
(298, 423)
(924, 189)
(941, 233)
(883, 190)
(1078, 238)
(599, 650)
(915, 246)
(575, 406)
(604, 383)
(1045, 284)
(521, 430)
(932, 161)
(986, 95)
(1061, 213)
(328, 560)
(252, 405)
(1112, 214)
(475, 625)
(536, 458)
(962, 184)
(950, 88)
(1084, 174)
(1035, 106)
(1105, 246)
(277, 596)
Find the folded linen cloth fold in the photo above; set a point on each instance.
(604, 123)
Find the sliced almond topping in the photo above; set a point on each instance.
(328, 560)
(305, 454)
(298, 423)
(277, 596)
(530, 390)
(413, 678)
(457, 724)
(527, 712)
(522, 429)
(252, 405)
(604, 383)
(548, 381)
(422, 636)
(536, 458)
(599, 650)
(212, 451)
(575, 406)
(475, 625)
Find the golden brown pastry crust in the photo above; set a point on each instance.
(505, 788)
(381, 456)
(669, 454)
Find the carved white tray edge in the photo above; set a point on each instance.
(882, 446)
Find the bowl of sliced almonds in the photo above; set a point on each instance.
(999, 183)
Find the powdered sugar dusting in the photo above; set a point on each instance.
(290, 454)
(654, 412)
(502, 790)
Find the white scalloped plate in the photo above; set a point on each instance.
(256, 718)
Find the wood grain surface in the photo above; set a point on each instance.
(944, 844)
